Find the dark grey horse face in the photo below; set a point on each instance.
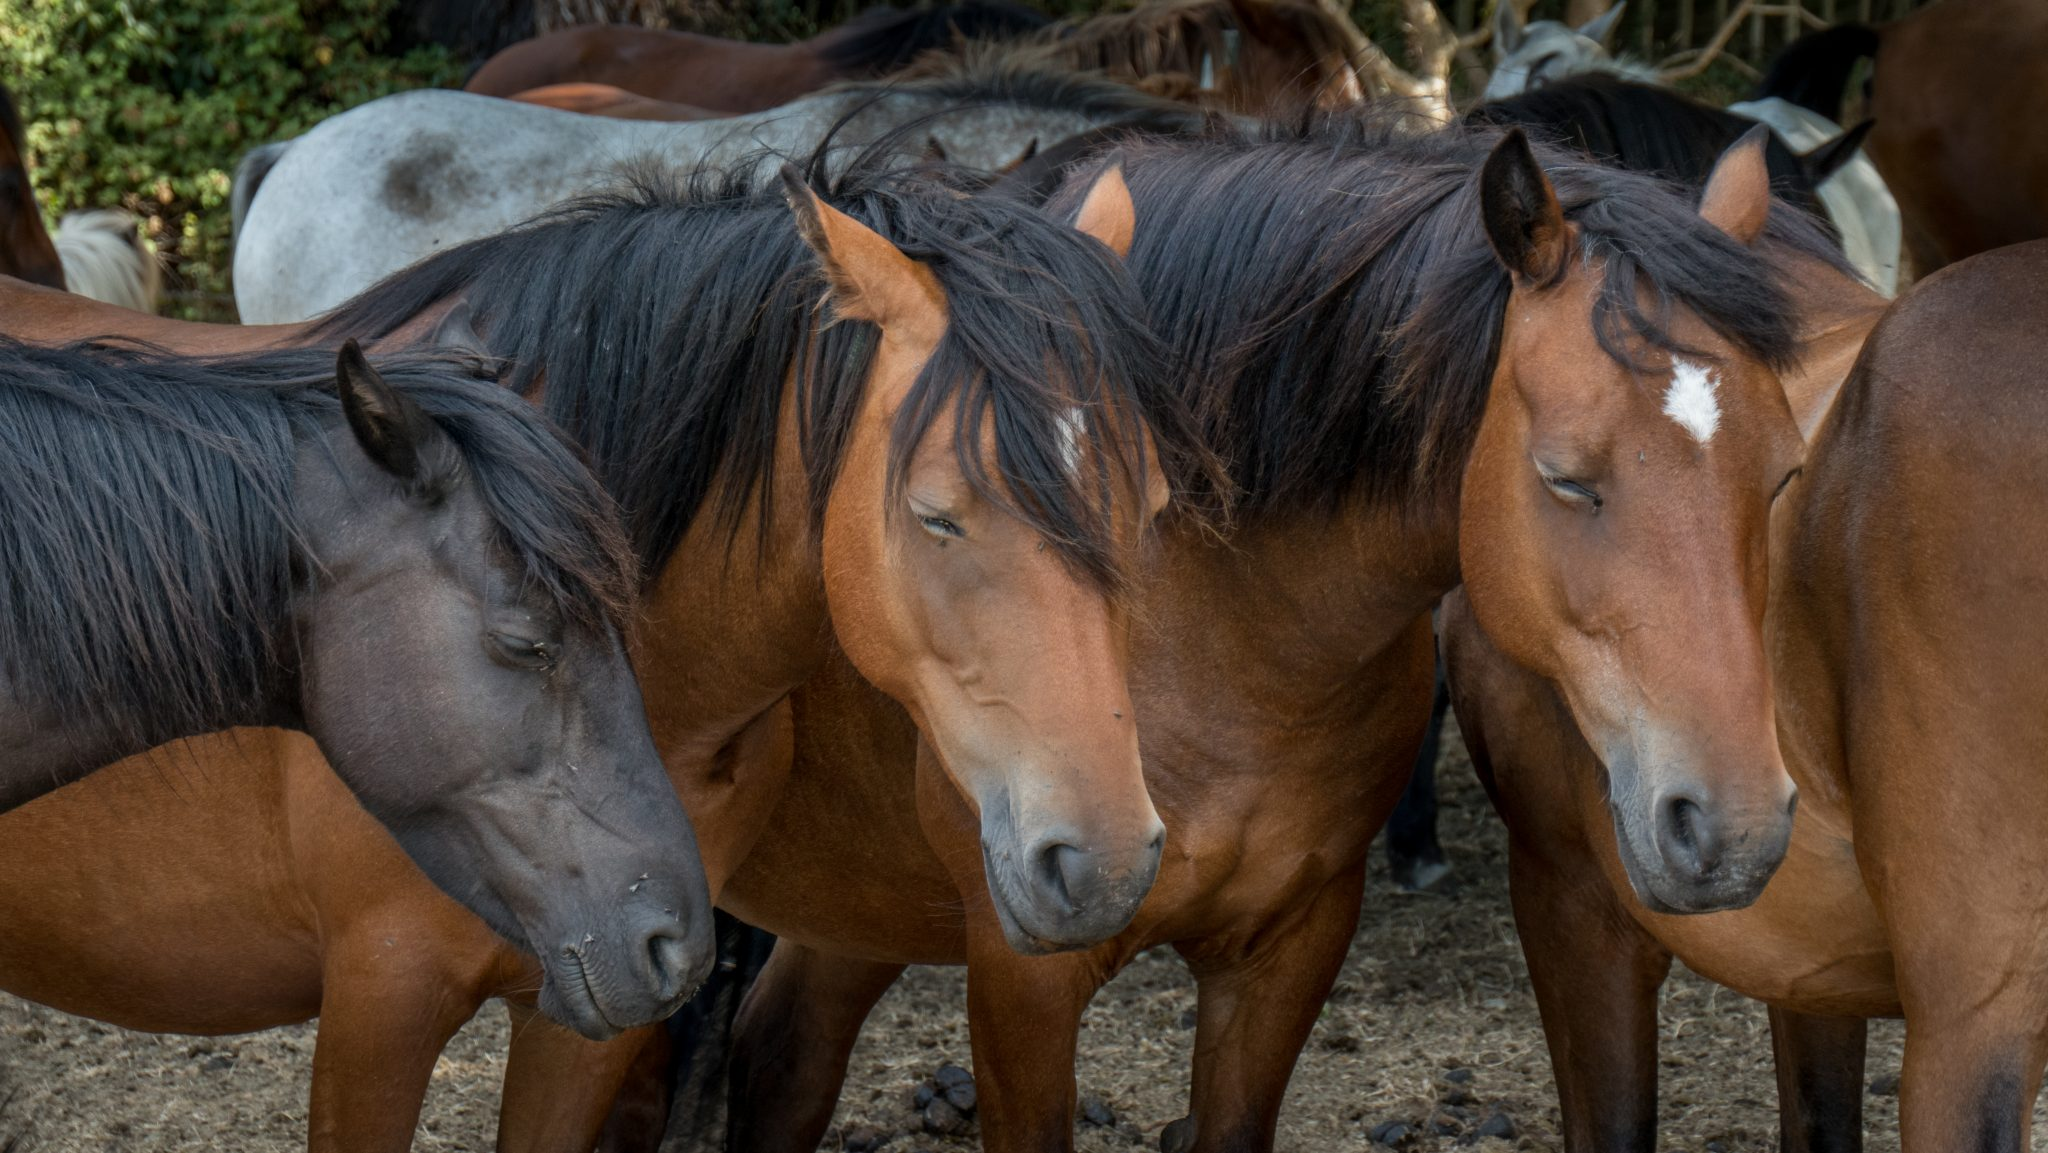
(504, 745)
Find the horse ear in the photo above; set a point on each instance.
(1828, 156)
(1523, 220)
(391, 429)
(1507, 28)
(869, 278)
(1107, 213)
(1601, 28)
(1738, 196)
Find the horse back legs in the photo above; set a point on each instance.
(1820, 1081)
(796, 1029)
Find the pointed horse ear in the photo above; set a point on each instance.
(869, 278)
(1107, 213)
(1507, 28)
(393, 431)
(1828, 156)
(1737, 199)
(1519, 207)
(1600, 29)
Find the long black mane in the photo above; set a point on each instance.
(1645, 127)
(150, 540)
(660, 322)
(1335, 296)
(884, 39)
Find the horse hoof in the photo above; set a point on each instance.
(1423, 876)
(1178, 1137)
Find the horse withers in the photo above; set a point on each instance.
(407, 564)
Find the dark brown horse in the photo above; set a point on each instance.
(1422, 357)
(781, 501)
(1957, 94)
(733, 76)
(1905, 595)
(1242, 55)
(25, 247)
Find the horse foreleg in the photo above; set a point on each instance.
(1820, 1081)
(559, 1085)
(381, 1030)
(1970, 1080)
(796, 1029)
(1415, 855)
(1024, 1016)
(1254, 1010)
(1596, 975)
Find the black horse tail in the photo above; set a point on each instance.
(1813, 71)
(249, 173)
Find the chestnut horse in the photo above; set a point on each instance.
(1958, 89)
(1249, 56)
(26, 250)
(735, 76)
(1380, 332)
(790, 483)
(416, 571)
(1907, 709)
(605, 100)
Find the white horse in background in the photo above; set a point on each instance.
(1855, 197)
(389, 182)
(104, 258)
(1525, 55)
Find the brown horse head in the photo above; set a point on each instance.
(958, 594)
(1613, 532)
(25, 247)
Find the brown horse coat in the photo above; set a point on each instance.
(1904, 593)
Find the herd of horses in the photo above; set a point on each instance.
(967, 490)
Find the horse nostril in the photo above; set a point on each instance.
(1063, 875)
(668, 962)
(1687, 836)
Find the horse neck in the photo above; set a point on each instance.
(1308, 596)
(733, 622)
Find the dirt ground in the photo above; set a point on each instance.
(1434, 984)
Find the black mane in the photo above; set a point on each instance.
(884, 39)
(660, 322)
(149, 538)
(1814, 70)
(1023, 75)
(1644, 127)
(1335, 295)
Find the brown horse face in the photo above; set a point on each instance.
(26, 251)
(1613, 534)
(1013, 666)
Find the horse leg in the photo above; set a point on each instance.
(1820, 1081)
(796, 1029)
(1970, 1079)
(1254, 1010)
(1024, 1018)
(380, 1034)
(1414, 854)
(1596, 974)
(559, 1085)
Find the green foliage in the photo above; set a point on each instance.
(147, 104)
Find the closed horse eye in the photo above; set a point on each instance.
(1572, 491)
(524, 652)
(1786, 483)
(940, 527)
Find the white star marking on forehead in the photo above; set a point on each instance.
(1691, 401)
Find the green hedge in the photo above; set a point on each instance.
(147, 104)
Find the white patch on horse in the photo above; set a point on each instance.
(1691, 401)
(1073, 424)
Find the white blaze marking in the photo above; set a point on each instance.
(1073, 423)
(1691, 400)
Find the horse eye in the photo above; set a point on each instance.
(524, 652)
(1542, 62)
(1786, 483)
(1572, 491)
(940, 527)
